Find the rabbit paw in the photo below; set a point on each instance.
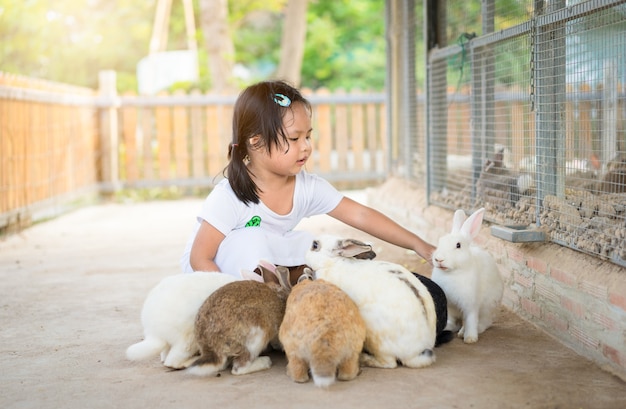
(260, 364)
(297, 369)
(468, 336)
(379, 361)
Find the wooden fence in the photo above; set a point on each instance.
(183, 139)
(49, 146)
(57, 141)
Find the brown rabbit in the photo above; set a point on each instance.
(322, 330)
(237, 322)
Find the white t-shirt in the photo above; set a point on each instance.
(224, 211)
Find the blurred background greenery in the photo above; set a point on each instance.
(71, 40)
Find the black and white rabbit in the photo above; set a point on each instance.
(397, 308)
(441, 308)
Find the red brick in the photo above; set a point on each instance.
(523, 280)
(614, 355)
(538, 265)
(573, 306)
(516, 255)
(531, 307)
(555, 322)
(619, 300)
(563, 276)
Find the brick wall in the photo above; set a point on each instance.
(580, 300)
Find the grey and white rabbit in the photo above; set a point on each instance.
(323, 332)
(398, 310)
(238, 321)
(469, 276)
(168, 316)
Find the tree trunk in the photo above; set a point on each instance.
(292, 42)
(218, 42)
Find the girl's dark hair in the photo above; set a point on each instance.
(259, 110)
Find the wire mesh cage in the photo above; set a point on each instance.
(530, 122)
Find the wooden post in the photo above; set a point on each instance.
(180, 134)
(358, 138)
(371, 131)
(213, 153)
(129, 129)
(197, 142)
(164, 140)
(324, 135)
(341, 134)
(109, 135)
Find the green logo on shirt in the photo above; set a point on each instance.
(254, 222)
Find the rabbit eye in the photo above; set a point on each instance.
(315, 246)
(458, 245)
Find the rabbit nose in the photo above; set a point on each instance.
(438, 260)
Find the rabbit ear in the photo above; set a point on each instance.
(264, 264)
(351, 248)
(471, 226)
(268, 272)
(366, 255)
(457, 221)
(282, 274)
(308, 274)
(251, 275)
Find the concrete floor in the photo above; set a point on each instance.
(71, 295)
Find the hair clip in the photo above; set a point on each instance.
(282, 100)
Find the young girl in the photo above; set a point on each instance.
(251, 215)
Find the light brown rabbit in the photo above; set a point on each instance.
(237, 322)
(322, 330)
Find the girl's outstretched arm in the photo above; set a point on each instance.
(380, 226)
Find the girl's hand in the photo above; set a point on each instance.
(426, 250)
(378, 225)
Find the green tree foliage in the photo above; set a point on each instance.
(463, 20)
(345, 45)
(71, 40)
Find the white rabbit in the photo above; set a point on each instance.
(322, 331)
(239, 320)
(398, 310)
(168, 317)
(469, 276)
